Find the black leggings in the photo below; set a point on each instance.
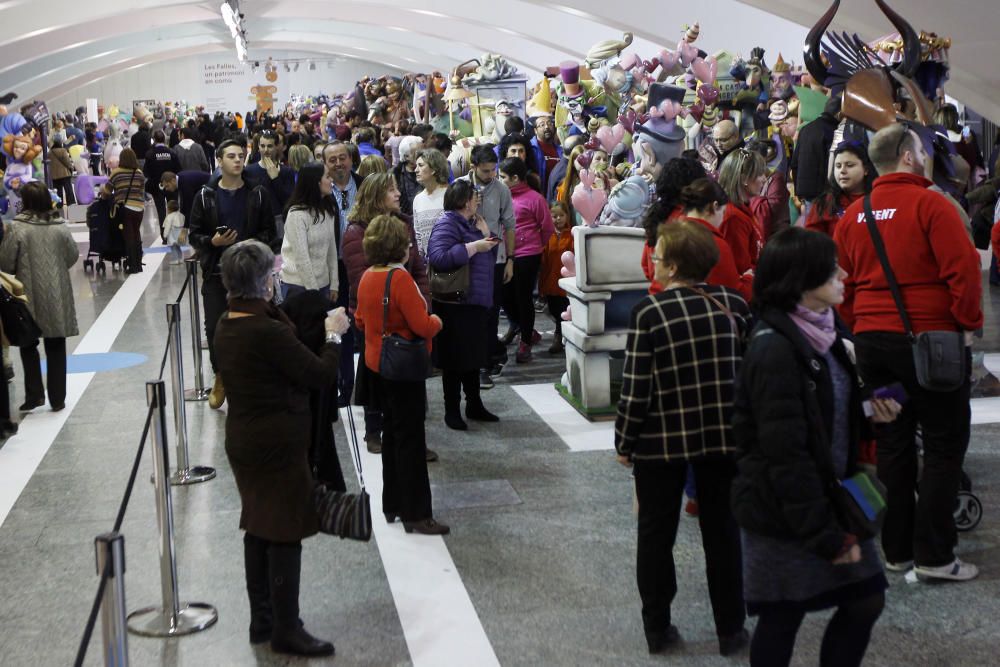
(557, 306)
(517, 293)
(844, 642)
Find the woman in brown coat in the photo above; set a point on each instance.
(61, 170)
(267, 440)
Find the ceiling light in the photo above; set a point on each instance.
(312, 65)
(427, 12)
(296, 65)
(287, 68)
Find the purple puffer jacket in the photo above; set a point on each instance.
(446, 252)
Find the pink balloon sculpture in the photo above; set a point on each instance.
(587, 201)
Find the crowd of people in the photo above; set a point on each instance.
(752, 368)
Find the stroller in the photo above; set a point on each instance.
(106, 241)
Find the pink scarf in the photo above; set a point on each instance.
(818, 328)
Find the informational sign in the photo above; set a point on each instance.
(225, 85)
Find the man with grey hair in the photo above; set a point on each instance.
(938, 273)
(404, 172)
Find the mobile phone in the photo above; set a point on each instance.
(221, 229)
(893, 391)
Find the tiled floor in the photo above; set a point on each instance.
(538, 570)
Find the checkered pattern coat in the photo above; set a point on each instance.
(680, 363)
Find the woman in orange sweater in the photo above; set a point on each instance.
(852, 177)
(742, 176)
(551, 271)
(406, 491)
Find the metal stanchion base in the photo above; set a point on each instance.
(196, 395)
(156, 622)
(192, 475)
(204, 344)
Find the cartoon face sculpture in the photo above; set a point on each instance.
(781, 85)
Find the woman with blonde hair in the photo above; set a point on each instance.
(564, 194)
(371, 164)
(299, 155)
(742, 176)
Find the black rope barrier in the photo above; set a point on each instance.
(88, 631)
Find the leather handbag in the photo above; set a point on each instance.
(939, 357)
(860, 505)
(402, 360)
(19, 327)
(346, 515)
(450, 286)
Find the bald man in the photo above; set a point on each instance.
(726, 137)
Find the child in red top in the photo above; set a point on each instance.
(550, 272)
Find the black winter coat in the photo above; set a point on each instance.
(205, 218)
(783, 425)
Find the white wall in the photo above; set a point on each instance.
(184, 79)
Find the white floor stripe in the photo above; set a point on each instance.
(439, 622)
(81, 237)
(21, 454)
(579, 434)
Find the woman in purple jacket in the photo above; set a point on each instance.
(531, 234)
(459, 237)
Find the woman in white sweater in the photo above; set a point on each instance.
(309, 249)
(428, 205)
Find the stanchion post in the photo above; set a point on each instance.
(199, 393)
(173, 618)
(110, 548)
(185, 473)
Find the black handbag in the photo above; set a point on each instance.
(450, 286)
(346, 515)
(402, 360)
(939, 357)
(19, 326)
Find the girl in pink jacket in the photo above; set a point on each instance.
(532, 231)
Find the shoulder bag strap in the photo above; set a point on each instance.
(385, 300)
(354, 444)
(883, 258)
(721, 306)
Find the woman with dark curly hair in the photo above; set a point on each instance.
(518, 145)
(677, 173)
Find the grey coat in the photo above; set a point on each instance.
(40, 252)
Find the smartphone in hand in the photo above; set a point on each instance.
(893, 391)
(221, 230)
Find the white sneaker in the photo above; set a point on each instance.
(902, 566)
(954, 571)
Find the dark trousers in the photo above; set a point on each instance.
(498, 351)
(920, 529)
(345, 378)
(844, 642)
(406, 489)
(517, 300)
(557, 306)
(64, 188)
(659, 487)
(213, 297)
(160, 201)
(55, 371)
(453, 383)
(373, 416)
(131, 222)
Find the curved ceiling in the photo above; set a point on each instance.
(44, 58)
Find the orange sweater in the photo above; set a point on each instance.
(551, 271)
(407, 312)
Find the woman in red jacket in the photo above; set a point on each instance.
(704, 202)
(852, 178)
(406, 491)
(742, 176)
(677, 173)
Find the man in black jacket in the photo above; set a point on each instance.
(810, 160)
(140, 142)
(276, 178)
(226, 210)
(159, 160)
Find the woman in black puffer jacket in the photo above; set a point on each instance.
(797, 420)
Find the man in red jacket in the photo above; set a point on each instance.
(938, 272)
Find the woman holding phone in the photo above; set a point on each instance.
(461, 237)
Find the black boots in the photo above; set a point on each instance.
(288, 635)
(258, 588)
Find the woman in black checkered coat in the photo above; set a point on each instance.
(683, 350)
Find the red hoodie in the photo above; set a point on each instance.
(936, 265)
(826, 222)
